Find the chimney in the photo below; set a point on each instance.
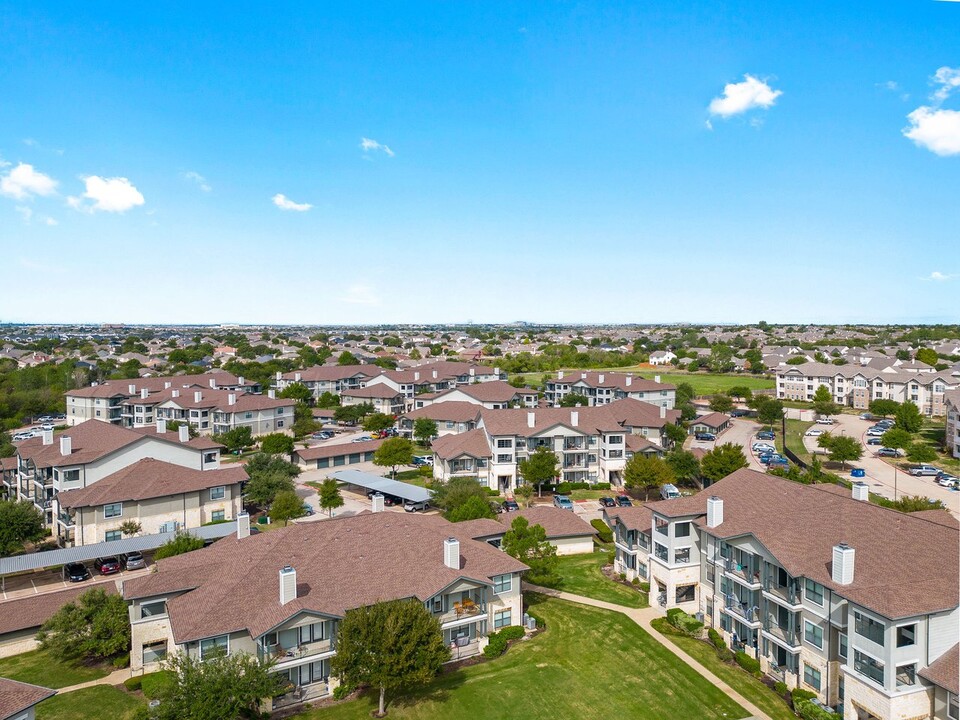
(296, 377)
(629, 380)
(184, 431)
(377, 503)
(473, 372)
(175, 393)
(574, 417)
(843, 557)
(66, 445)
(656, 379)
(531, 419)
(451, 553)
(240, 381)
(663, 412)
(213, 383)
(232, 399)
(279, 375)
(714, 511)
(48, 437)
(434, 374)
(288, 585)
(243, 525)
(496, 371)
(583, 376)
(161, 426)
(861, 491)
(197, 396)
(416, 376)
(144, 393)
(167, 384)
(132, 389)
(600, 378)
(272, 394)
(560, 375)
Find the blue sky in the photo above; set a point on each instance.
(410, 162)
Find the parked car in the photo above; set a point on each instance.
(825, 421)
(411, 506)
(889, 452)
(875, 431)
(562, 502)
(866, 416)
(814, 432)
(133, 561)
(47, 426)
(307, 509)
(391, 500)
(779, 462)
(419, 460)
(946, 480)
(874, 441)
(510, 505)
(107, 565)
(704, 436)
(669, 492)
(623, 501)
(923, 470)
(362, 438)
(76, 572)
(769, 458)
(766, 435)
(739, 413)
(762, 447)
(608, 502)
(887, 423)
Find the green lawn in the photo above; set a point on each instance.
(737, 678)
(581, 576)
(589, 663)
(93, 703)
(794, 439)
(590, 494)
(703, 383)
(39, 668)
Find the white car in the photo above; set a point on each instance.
(875, 432)
(825, 421)
(814, 432)
(762, 447)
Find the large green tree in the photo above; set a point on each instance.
(296, 391)
(769, 411)
(286, 506)
(740, 392)
(684, 464)
(473, 509)
(424, 430)
(842, 448)
(303, 421)
(675, 434)
(721, 403)
(457, 491)
(330, 497)
(920, 452)
(883, 407)
(94, 627)
(646, 472)
(927, 355)
(376, 422)
(236, 439)
(394, 452)
(574, 400)
(20, 522)
(896, 438)
(390, 646)
(721, 461)
(908, 417)
(539, 468)
(528, 544)
(823, 403)
(182, 542)
(276, 444)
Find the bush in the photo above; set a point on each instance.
(750, 664)
(623, 576)
(342, 691)
(808, 711)
(635, 581)
(603, 532)
(645, 586)
(121, 661)
(726, 655)
(155, 684)
(512, 632)
(684, 622)
(496, 647)
(799, 695)
(716, 638)
(540, 622)
(781, 688)
(133, 684)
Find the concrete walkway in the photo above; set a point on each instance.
(115, 678)
(642, 617)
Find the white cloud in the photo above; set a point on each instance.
(35, 266)
(199, 179)
(107, 194)
(24, 182)
(366, 144)
(740, 97)
(360, 295)
(941, 277)
(285, 203)
(948, 79)
(936, 130)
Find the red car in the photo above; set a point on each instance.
(107, 565)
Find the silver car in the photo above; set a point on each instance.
(134, 561)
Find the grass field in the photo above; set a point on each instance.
(582, 576)
(39, 668)
(589, 663)
(93, 703)
(741, 681)
(794, 438)
(703, 384)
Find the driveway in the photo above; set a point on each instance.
(741, 432)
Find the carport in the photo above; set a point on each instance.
(83, 553)
(385, 486)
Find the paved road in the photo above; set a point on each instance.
(742, 432)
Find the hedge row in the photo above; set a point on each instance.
(748, 663)
(808, 711)
(568, 487)
(498, 640)
(603, 532)
(683, 622)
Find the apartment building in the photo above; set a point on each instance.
(452, 418)
(493, 394)
(830, 592)
(283, 594)
(334, 379)
(603, 388)
(160, 496)
(211, 411)
(108, 401)
(857, 387)
(86, 453)
(437, 377)
(382, 397)
(951, 401)
(566, 531)
(590, 442)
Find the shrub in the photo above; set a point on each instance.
(645, 586)
(684, 622)
(603, 532)
(512, 632)
(808, 711)
(121, 661)
(133, 684)
(716, 638)
(610, 557)
(726, 655)
(635, 581)
(623, 576)
(750, 664)
(156, 683)
(496, 647)
(342, 691)
(780, 687)
(799, 695)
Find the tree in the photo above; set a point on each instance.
(721, 403)
(721, 461)
(646, 472)
(927, 355)
(377, 422)
(330, 497)
(684, 393)
(574, 400)
(684, 464)
(675, 434)
(883, 407)
(823, 403)
(236, 439)
(393, 452)
(896, 438)
(221, 687)
(389, 646)
(770, 411)
(797, 360)
(920, 452)
(296, 391)
(175, 425)
(303, 421)
(843, 448)
(130, 527)
(457, 491)
(352, 414)
(755, 358)
(94, 627)
(740, 392)
(276, 444)
(524, 492)
(539, 468)
(328, 400)
(908, 417)
(20, 522)
(181, 543)
(474, 508)
(347, 358)
(263, 488)
(424, 430)
(528, 544)
(286, 506)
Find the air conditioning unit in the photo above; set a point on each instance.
(699, 616)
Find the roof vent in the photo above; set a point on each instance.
(574, 417)
(714, 511)
(296, 377)
(144, 393)
(47, 437)
(377, 503)
(232, 399)
(213, 383)
(272, 394)
(629, 380)
(167, 384)
(288, 585)
(197, 396)
(132, 389)
(861, 491)
(842, 569)
(656, 378)
(184, 433)
(583, 376)
(66, 445)
(175, 393)
(451, 553)
(161, 426)
(240, 381)
(243, 525)
(560, 375)
(600, 378)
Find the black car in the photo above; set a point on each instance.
(510, 505)
(608, 502)
(76, 572)
(623, 501)
(874, 441)
(705, 436)
(766, 435)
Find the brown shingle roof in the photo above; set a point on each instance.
(149, 478)
(638, 517)
(473, 443)
(332, 373)
(90, 441)
(328, 451)
(612, 380)
(712, 420)
(800, 524)
(376, 390)
(618, 415)
(452, 411)
(945, 671)
(15, 697)
(35, 610)
(556, 522)
(341, 563)
(491, 391)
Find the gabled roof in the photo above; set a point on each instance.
(376, 390)
(556, 523)
(453, 411)
(494, 391)
(328, 451)
(945, 671)
(33, 611)
(637, 517)
(15, 696)
(620, 381)
(711, 420)
(473, 443)
(620, 415)
(332, 373)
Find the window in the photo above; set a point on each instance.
(615, 440)
(156, 608)
(503, 458)
(248, 416)
(279, 423)
(811, 676)
(70, 475)
(906, 675)
(814, 592)
(681, 529)
(504, 443)
(906, 635)
(450, 424)
(813, 634)
(867, 666)
(843, 646)
(219, 644)
(711, 575)
(112, 535)
(279, 411)
(868, 628)
(154, 652)
(209, 457)
(660, 551)
(218, 516)
(686, 593)
(501, 619)
(502, 584)
(113, 510)
(313, 632)
(681, 555)
(661, 525)
(953, 708)
(218, 493)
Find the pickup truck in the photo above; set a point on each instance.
(918, 470)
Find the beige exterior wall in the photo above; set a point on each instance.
(18, 642)
(573, 545)
(861, 696)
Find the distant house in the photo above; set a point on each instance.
(662, 357)
(565, 530)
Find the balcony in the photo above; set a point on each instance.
(743, 573)
(286, 657)
(462, 611)
(66, 521)
(573, 446)
(784, 594)
(302, 694)
(782, 634)
(749, 614)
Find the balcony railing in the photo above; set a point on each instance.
(284, 655)
(787, 593)
(742, 572)
(462, 611)
(781, 633)
(749, 613)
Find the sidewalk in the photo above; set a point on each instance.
(115, 678)
(642, 617)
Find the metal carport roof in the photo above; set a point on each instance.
(383, 485)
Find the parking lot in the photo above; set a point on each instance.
(45, 581)
(742, 432)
